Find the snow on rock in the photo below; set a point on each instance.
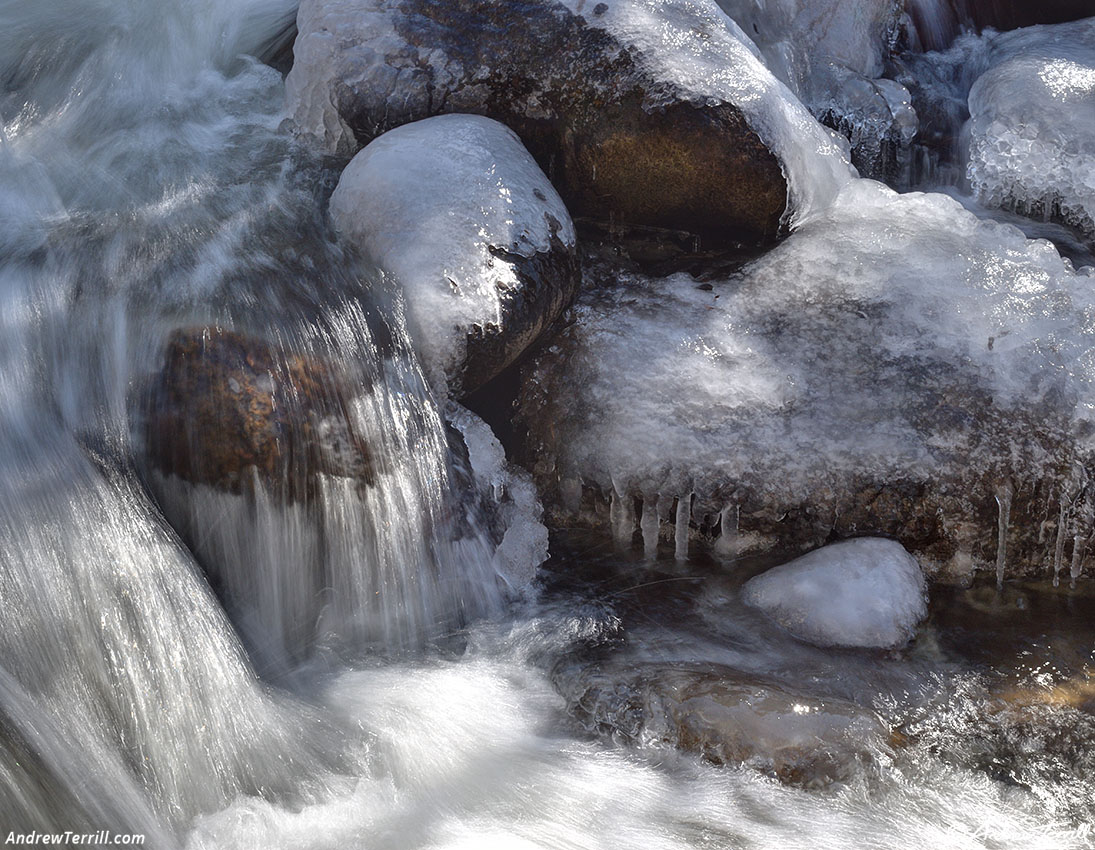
(649, 112)
(897, 367)
(1031, 134)
(867, 592)
(459, 213)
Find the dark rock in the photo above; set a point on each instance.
(620, 136)
(725, 717)
(231, 411)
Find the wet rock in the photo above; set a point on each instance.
(866, 592)
(895, 368)
(459, 213)
(725, 717)
(652, 114)
(233, 411)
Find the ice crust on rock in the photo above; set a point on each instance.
(891, 362)
(832, 55)
(867, 592)
(1031, 134)
(697, 46)
(356, 73)
(517, 509)
(460, 214)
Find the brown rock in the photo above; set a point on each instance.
(620, 140)
(231, 411)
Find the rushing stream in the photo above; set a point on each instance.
(400, 700)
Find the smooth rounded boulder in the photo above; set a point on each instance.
(868, 592)
(461, 215)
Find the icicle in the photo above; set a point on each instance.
(727, 542)
(621, 515)
(1078, 545)
(650, 525)
(680, 532)
(1059, 550)
(1003, 501)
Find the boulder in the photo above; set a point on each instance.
(232, 411)
(643, 112)
(897, 367)
(1031, 134)
(725, 717)
(459, 213)
(868, 592)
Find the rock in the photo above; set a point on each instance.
(897, 367)
(231, 411)
(1031, 134)
(457, 211)
(867, 592)
(725, 717)
(645, 112)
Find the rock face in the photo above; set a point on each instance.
(896, 367)
(867, 592)
(459, 213)
(725, 717)
(229, 411)
(630, 124)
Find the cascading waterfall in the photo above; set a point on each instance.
(304, 662)
(147, 188)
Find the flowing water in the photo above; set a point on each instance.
(146, 185)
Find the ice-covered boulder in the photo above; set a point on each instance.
(896, 367)
(459, 213)
(646, 112)
(1031, 134)
(867, 592)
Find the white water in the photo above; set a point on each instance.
(147, 186)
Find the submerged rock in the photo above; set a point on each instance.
(725, 717)
(897, 367)
(642, 112)
(232, 411)
(867, 592)
(460, 214)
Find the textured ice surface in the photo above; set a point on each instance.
(867, 592)
(433, 203)
(895, 337)
(1032, 123)
(524, 543)
(689, 48)
(832, 54)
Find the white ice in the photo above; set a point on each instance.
(694, 44)
(1031, 134)
(427, 201)
(866, 592)
(794, 374)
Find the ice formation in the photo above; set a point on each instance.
(867, 592)
(1031, 134)
(354, 55)
(898, 343)
(725, 64)
(524, 543)
(449, 206)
